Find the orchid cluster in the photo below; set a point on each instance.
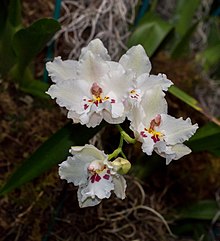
(95, 88)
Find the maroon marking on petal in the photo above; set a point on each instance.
(106, 176)
(96, 103)
(85, 106)
(155, 138)
(143, 134)
(97, 178)
(84, 99)
(93, 178)
(108, 172)
(112, 101)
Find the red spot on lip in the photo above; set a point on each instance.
(85, 106)
(112, 101)
(106, 176)
(96, 103)
(143, 134)
(155, 138)
(95, 178)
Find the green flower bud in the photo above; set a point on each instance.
(121, 165)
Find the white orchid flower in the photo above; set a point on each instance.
(159, 131)
(96, 177)
(137, 62)
(91, 89)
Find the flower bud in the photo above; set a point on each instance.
(121, 165)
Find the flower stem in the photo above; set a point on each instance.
(125, 136)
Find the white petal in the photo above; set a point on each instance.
(152, 104)
(148, 145)
(62, 70)
(89, 201)
(119, 186)
(176, 130)
(74, 170)
(94, 120)
(146, 82)
(69, 93)
(117, 110)
(74, 116)
(101, 188)
(174, 152)
(88, 152)
(96, 47)
(108, 118)
(118, 81)
(92, 68)
(137, 60)
(180, 150)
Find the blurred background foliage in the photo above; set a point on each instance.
(175, 35)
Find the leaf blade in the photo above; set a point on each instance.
(51, 152)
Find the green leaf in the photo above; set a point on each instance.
(14, 13)
(28, 84)
(206, 139)
(203, 210)
(150, 32)
(183, 16)
(181, 47)
(36, 88)
(28, 42)
(210, 57)
(180, 94)
(50, 153)
(7, 54)
(10, 22)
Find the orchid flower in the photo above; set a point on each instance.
(91, 89)
(137, 62)
(96, 177)
(159, 131)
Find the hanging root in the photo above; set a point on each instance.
(89, 19)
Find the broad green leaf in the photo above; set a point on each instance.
(183, 15)
(206, 139)
(28, 42)
(50, 153)
(28, 84)
(181, 47)
(36, 88)
(203, 210)
(150, 32)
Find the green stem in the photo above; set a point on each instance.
(125, 136)
(115, 153)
